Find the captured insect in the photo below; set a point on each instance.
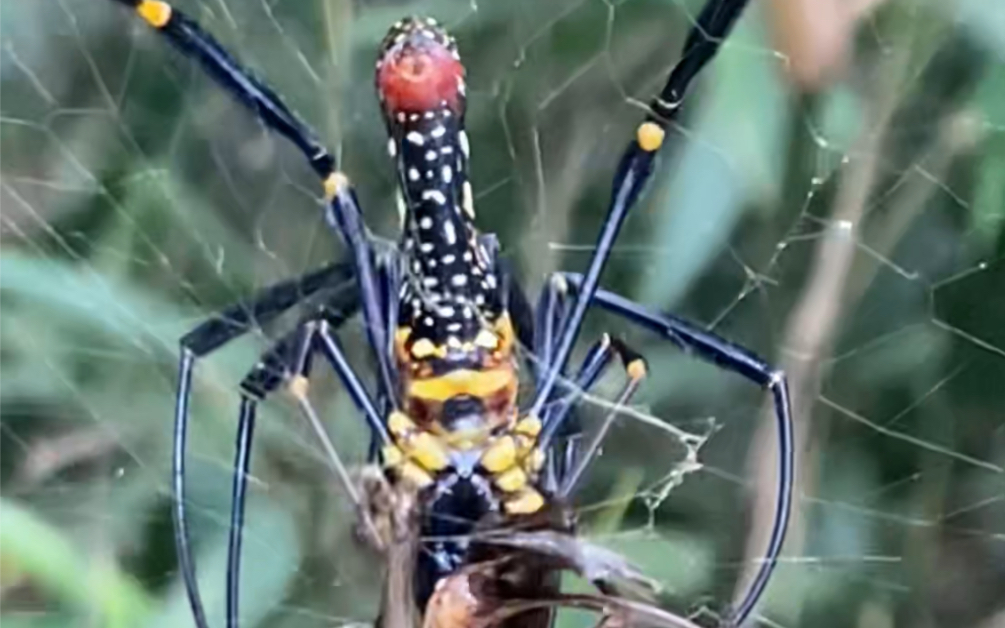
(445, 318)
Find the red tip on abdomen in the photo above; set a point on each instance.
(418, 72)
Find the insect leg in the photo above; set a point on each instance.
(192, 41)
(520, 311)
(290, 355)
(329, 346)
(550, 310)
(560, 421)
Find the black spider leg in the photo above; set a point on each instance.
(287, 362)
(291, 354)
(560, 419)
(737, 359)
(636, 368)
(232, 322)
(569, 464)
(711, 27)
(552, 306)
(520, 311)
(342, 213)
(535, 329)
(559, 459)
(550, 310)
(389, 275)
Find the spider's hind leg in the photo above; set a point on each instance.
(731, 357)
(287, 362)
(230, 323)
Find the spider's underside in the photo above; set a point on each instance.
(443, 317)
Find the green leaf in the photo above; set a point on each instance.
(269, 564)
(45, 557)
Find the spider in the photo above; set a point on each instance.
(443, 314)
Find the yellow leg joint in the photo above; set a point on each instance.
(531, 426)
(392, 456)
(335, 183)
(415, 475)
(428, 451)
(154, 13)
(423, 348)
(487, 340)
(512, 480)
(526, 502)
(400, 425)
(534, 461)
(297, 386)
(500, 456)
(637, 369)
(650, 136)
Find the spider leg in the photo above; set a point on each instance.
(598, 358)
(329, 346)
(291, 354)
(521, 313)
(710, 30)
(242, 465)
(287, 362)
(636, 368)
(560, 413)
(551, 308)
(737, 359)
(559, 418)
(230, 323)
(342, 209)
(192, 41)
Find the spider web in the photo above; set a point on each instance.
(853, 237)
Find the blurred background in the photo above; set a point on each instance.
(833, 198)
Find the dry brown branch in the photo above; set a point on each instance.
(815, 36)
(812, 326)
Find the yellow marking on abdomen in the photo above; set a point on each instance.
(462, 382)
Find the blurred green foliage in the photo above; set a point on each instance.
(136, 198)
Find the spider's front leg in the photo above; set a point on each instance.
(342, 210)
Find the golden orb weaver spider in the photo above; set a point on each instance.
(443, 315)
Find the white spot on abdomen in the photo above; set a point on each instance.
(434, 195)
(468, 201)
